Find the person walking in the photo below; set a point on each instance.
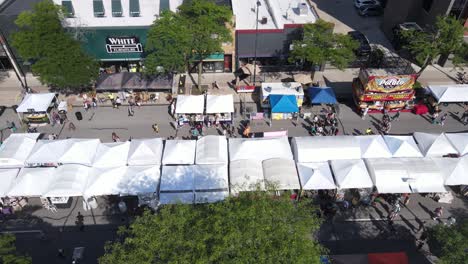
(130, 110)
(438, 213)
(395, 212)
(442, 119)
(115, 138)
(396, 116)
(465, 118)
(434, 117)
(364, 112)
(155, 128)
(369, 131)
(80, 221)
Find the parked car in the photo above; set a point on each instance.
(360, 3)
(370, 10)
(364, 46)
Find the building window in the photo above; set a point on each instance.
(68, 8)
(163, 6)
(134, 8)
(98, 8)
(116, 8)
(427, 4)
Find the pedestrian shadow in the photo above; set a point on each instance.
(375, 125)
(429, 212)
(356, 132)
(379, 212)
(408, 223)
(428, 119)
(455, 116)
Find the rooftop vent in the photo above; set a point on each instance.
(303, 9)
(264, 20)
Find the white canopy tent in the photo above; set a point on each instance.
(351, 174)
(16, 148)
(140, 180)
(210, 197)
(105, 181)
(259, 148)
(48, 151)
(450, 93)
(434, 145)
(219, 104)
(80, 151)
(190, 104)
(111, 154)
(177, 197)
(316, 176)
(402, 146)
(316, 149)
(177, 178)
(179, 152)
(425, 176)
(246, 175)
(459, 141)
(389, 175)
(37, 102)
(32, 182)
(69, 180)
(211, 177)
(373, 146)
(281, 173)
(145, 151)
(212, 150)
(454, 170)
(7, 177)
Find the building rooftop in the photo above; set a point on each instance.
(272, 14)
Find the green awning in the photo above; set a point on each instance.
(212, 57)
(69, 11)
(116, 8)
(134, 8)
(98, 8)
(163, 5)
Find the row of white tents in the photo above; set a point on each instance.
(205, 170)
(195, 104)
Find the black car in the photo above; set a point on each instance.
(370, 10)
(364, 46)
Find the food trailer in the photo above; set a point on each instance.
(378, 89)
(281, 88)
(35, 108)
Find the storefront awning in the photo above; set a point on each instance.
(134, 8)
(98, 8)
(116, 8)
(133, 81)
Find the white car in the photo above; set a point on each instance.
(359, 3)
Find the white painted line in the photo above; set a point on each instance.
(21, 232)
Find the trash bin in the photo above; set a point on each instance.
(79, 116)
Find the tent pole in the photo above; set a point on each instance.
(20, 119)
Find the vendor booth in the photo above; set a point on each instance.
(454, 93)
(145, 152)
(389, 175)
(316, 149)
(32, 182)
(453, 170)
(177, 185)
(16, 148)
(8, 178)
(351, 174)
(281, 173)
(246, 175)
(179, 152)
(281, 88)
(402, 147)
(68, 181)
(316, 176)
(47, 153)
(283, 106)
(321, 95)
(111, 154)
(211, 182)
(80, 151)
(219, 108)
(373, 146)
(212, 150)
(459, 142)
(35, 108)
(105, 181)
(424, 176)
(434, 145)
(189, 108)
(259, 148)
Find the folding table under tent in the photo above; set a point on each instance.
(179, 152)
(177, 184)
(424, 175)
(317, 149)
(455, 93)
(246, 175)
(321, 95)
(259, 148)
(16, 148)
(389, 175)
(80, 151)
(36, 104)
(459, 142)
(316, 176)
(32, 182)
(48, 152)
(145, 152)
(283, 106)
(68, 181)
(373, 146)
(403, 147)
(211, 150)
(351, 174)
(281, 173)
(111, 154)
(8, 177)
(434, 145)
(454, 170)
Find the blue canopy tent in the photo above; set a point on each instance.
(281, 103)
(321, 95)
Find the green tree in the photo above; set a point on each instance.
(56, 57)
(8, 253)
(251, 228)
(196, 31)
(319, 45)
(450, 243)
(444, 39)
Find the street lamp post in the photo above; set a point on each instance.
(255, 46)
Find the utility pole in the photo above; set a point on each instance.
(18, 71)
(255, 51)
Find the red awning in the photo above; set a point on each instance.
(388, 258)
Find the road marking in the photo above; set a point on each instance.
(21, 232)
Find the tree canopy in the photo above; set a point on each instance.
(444, 39)
(450, 243)
(251, 228)
(56, 57)
(177, 39)
(8, 253)
(319, 45)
